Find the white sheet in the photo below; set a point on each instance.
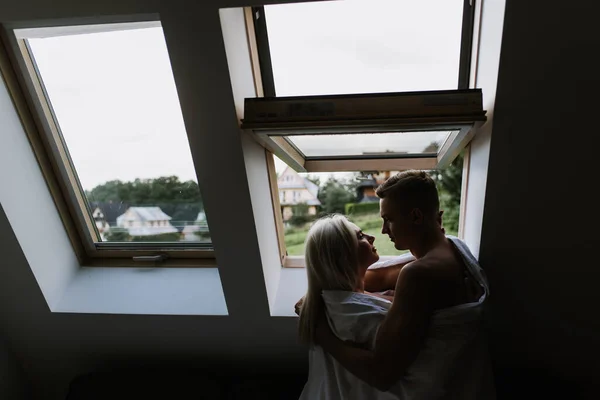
(455, 339)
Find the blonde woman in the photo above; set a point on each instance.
(338, 255)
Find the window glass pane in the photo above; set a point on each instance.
(364, 46)
(116, 105)
(324, 193)
(369, 143)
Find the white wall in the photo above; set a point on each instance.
(55, 347)
(12, 382)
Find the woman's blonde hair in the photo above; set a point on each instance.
(331, 254)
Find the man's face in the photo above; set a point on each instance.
(396, 225)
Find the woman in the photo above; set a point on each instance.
(338, 255)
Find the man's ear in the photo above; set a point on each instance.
(416, 216)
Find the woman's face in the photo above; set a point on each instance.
(367, 253)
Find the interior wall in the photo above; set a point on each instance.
(539, 238)
(12, 381)
(56, 347)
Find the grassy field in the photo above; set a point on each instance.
(369, 223)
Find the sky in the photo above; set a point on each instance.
(115, 100)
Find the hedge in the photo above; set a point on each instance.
(361, 208)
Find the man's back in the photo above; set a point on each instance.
(445, 266)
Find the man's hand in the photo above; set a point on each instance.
(400, 336)
(298, 306)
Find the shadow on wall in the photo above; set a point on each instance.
(526, 384)
(176, 383)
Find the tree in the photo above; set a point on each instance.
(180, 200)
(118, 235)
(300, 215)
(449, 184)
(334, 195)
(314, 179)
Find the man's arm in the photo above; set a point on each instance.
(384, 278)
(400, 336)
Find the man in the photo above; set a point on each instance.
(443, 275)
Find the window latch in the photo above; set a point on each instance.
(157, 258)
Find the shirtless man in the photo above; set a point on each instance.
(437, 279)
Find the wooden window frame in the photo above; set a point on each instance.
(18, 71)
(268, 121)
(264, 83)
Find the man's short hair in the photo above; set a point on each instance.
(411, 189)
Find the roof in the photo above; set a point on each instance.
(300, 183)
(144, 214)
(368, 183)
(111, 210)
(312, 187)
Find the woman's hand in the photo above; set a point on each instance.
(387, 295)
(298, 306)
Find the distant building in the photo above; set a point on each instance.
(194, 233)
(105, 215)
(294, 190)
(145, 221)
(365, 191)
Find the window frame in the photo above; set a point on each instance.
(264, 53)
(18, 69)
(260, 58)
(269, 123)
(271, 132)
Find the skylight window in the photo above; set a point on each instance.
(359, 85)
(368, 145)
(112, 125)
(351, 46)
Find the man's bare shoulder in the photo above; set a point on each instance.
(437, 264)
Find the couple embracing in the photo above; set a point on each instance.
(410, 328)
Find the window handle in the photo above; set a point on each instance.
(157, 258)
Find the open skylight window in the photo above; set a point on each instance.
(421, 130)
(354, 84)
(359, 46)
(390, 144)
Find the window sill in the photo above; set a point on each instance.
(292, 286)
(156, 291)
(27, 207)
